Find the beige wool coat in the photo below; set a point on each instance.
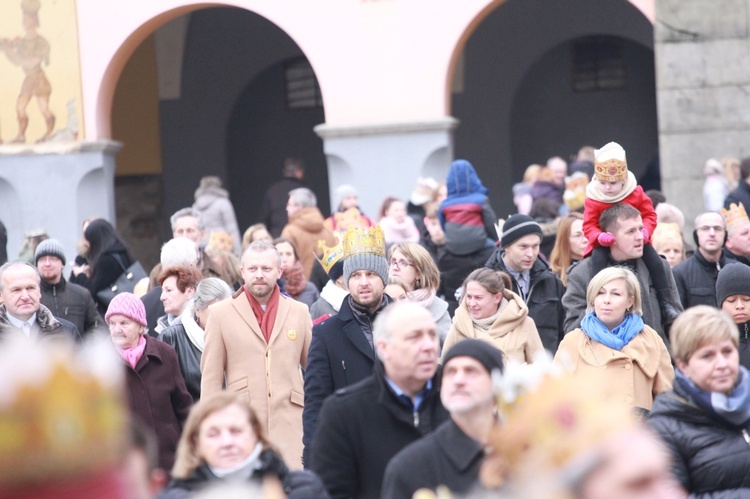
(268, 375)
(514, 332)
(635, 374)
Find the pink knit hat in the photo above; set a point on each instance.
(129, 305)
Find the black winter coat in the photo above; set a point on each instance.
(154, 309)
(544, 299)
(339, 356)
(297, 484)
(73, 303)
(696, 279)
(446, 457)
(188, 356)
(710, 458)
(108, 269)
(362, 427)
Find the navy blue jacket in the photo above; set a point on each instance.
(339, 356)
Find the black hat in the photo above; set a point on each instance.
(487, 355)
(518, 226)
(734, 279)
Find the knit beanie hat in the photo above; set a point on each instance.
(364, 249)
(50, 247)
(518, 226)
(129, 305)
(734, 279)
(424, 190)
(487, 355)
(342, 192)
(610, 164)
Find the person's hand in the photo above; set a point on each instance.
(645, 234)
(606, 239)
(77, 269)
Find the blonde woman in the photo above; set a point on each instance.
(223, 440)
(613, 346)
(491, 312)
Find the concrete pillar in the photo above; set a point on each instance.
(386, 160)
(703, 92)
(55, 187)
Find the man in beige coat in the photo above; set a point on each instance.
(258, 340)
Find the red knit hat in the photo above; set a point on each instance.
(129, 305)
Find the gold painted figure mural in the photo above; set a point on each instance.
(29, 52)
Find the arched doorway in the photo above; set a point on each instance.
(176, 109)
(506, 70)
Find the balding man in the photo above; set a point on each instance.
(696, 276)
(21, 312)
(363, 426)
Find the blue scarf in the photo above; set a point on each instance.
(618, 337)
(733, 409)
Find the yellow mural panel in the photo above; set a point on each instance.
(40, 76)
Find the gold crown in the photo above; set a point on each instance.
(61, 415)
(610, 164)
(359, 240)
(331, 254)
(735, 216)
(549, 418)
(666, 232)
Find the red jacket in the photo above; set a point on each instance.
(592, 210)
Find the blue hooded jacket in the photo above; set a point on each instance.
(466, 215)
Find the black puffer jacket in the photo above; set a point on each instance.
(710, 458)
(71, 302)
(297, 484)
(544, 299)
(696, 279)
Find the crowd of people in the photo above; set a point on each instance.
(431, 349)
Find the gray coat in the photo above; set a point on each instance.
(581, 273)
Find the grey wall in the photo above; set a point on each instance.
(225, 50)
(501, 68)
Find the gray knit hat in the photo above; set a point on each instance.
(342, 192)
(364, 249)
(49, 247)
(734, 279)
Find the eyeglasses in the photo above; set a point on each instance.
(707, 228)
(399, 264)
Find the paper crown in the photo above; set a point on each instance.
(331, 254)
(359, 240)
(610, 164)
(62, 416)
(350, 217)
(666, 232)
(220, 240)
(735, 216)
(549, 419)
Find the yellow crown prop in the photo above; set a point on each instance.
(610, 164)
(735, 216)
(359, 240)
(331, 255)
(61, 412)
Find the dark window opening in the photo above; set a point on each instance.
(302, 90)
(598, 63)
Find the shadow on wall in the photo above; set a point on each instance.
(140, 217)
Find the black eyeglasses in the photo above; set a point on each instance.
(399, 264)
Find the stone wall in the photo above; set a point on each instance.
(703, 91)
